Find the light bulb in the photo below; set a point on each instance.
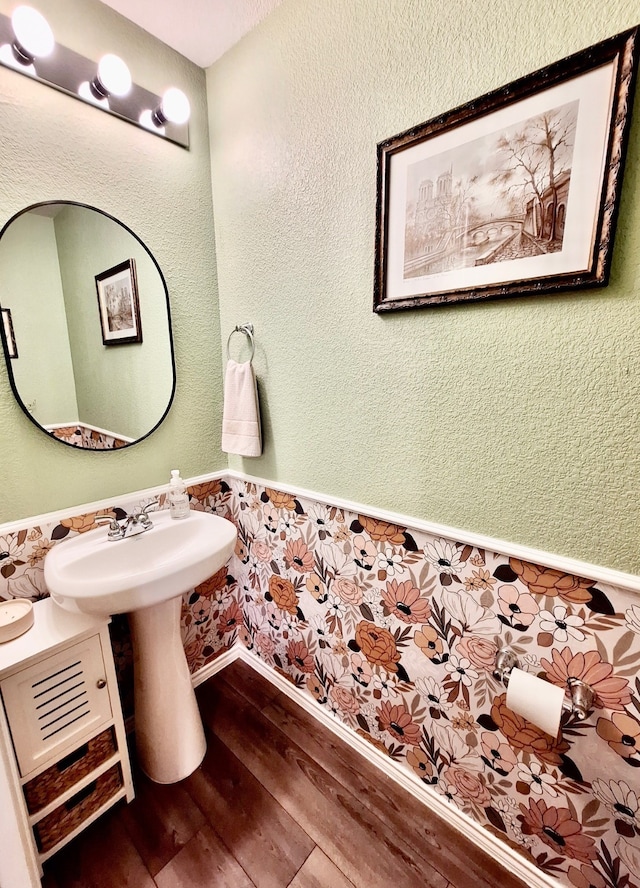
(113, 76)
(175, 106)
(34, 37)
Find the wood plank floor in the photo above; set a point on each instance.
(279, 802)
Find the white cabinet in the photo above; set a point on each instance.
(61, 731)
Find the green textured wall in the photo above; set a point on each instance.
(518, 419)
(53, 147)
(31, 288)
(122, 388)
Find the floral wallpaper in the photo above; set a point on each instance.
(86, 437)
(395, 632)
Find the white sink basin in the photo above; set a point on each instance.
(146, 576)
(98, 576)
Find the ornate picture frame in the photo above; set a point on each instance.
(515, 193)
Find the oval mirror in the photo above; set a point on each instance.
(86, 326)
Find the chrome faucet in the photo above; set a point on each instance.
(131, 525)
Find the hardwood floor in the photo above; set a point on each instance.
(279, 802)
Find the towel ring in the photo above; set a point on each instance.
(247, 329)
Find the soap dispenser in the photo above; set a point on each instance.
(178, 497)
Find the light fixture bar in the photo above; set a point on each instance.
(66, 70)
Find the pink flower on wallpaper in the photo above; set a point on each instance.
(297, 556)
(261, 551)
(230, 618)
(364, 552)
(499, 755)
(519, 607)
(360, 670)
(265, 644)
(557, 829)
(468, 785)
(612, 692)
(398, 722)
(298, 655)
(404, 602)
(479, 651)
(347, 591)
(345, 700)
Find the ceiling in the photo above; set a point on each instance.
(201, 30)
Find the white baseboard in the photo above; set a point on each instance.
(474, 832)
(217, 665)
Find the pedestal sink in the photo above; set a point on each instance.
(145, 577)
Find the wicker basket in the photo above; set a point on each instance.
(65, 818)
(60, 777)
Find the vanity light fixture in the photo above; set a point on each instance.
(32, 38)
(113, 79)
(174, 107)
(27, 45)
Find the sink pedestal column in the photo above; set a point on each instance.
(169, 735)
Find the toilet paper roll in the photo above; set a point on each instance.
(537, 700)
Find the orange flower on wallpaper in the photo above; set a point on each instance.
(622, 733)
(612, 692)
(397, 721)
(283, 594)
(547, 581)
(214, 584)
(557, 829)
(297, 556)
(205, 489)
(82, 523)
(281, 500)
(378, 645)
(382, 531)
(479, 581)
(429, 642)
(404, 602)
(522, 735)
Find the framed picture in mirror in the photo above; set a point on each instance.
(119, 304)
(9, 335)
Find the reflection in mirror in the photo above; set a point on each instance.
(91, 324)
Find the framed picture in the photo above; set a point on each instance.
(9, 335)
(119, 304)
(514, 193)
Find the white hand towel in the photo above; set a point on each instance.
(241, 415)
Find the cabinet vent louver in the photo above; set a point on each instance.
(60, 699)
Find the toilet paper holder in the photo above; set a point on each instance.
(581, 695)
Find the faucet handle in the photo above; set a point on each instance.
(115, 528)
(149, 507)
